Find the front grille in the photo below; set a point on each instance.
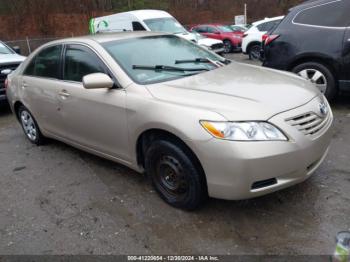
(309, 124)
(217, 46)
(12, 66)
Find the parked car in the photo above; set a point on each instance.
(238, 28)
(140, 20)
(314, 42)
(252, 38)
(198, 124)
(9, 61)
(211, 44)
(232, 39)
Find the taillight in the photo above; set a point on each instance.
(264, 37)
(270, 38)
(244, 35)
(6, 83)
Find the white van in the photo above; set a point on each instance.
(140, 20)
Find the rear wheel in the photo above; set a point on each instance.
(30, 126)
(254, 52)
(319, 75)
(175, 175)
(227, 46)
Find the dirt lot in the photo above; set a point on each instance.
(59, 200)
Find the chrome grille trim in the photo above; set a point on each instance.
(309, 124)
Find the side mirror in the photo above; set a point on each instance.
(97, 81)
(6, 71)
(17, 49)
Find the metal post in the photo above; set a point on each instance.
(245, 14)
(28, 44)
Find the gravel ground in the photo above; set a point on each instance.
(58, 200)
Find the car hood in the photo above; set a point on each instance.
(238, 92)
(187, 35)
(11, 58)
(208, 41)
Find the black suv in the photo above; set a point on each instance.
(313, 41)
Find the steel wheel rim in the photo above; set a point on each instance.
(316, 77)
(29, 126)
(171, 178)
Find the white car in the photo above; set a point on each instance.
(252, 39)
(211, 44)
(140, 20)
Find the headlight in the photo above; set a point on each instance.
(244, 131)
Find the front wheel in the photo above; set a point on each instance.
(175, 175)
(227, 46)
(30, 126)
(319, 75)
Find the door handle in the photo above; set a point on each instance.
(64, 94)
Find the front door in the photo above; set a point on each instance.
(94, 118)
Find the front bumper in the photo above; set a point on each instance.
(243, 170)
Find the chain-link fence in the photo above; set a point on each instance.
(28, 45)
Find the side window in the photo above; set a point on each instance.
(46, 63)
(265, 26)
(79, 62)
(333, 14)
(212, 30)
(136, 26)
(201, 29)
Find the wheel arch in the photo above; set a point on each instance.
(316, 58)
(249, 46)
(146, 138)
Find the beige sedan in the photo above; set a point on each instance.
(199, 125)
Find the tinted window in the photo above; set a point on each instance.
(212, 29)
(335, 14)
(201, 29)
(136, 26)
(79, 62)
(268, 25)
(46, 63)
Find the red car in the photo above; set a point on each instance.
(232, 39)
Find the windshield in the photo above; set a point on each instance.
(167, 25)
(225, 29)
(138, 56)
(4, 49)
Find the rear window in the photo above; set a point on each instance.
(268, 26)
(332, 14)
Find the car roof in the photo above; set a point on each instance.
(108, 37)
(147, 14)
(311, 3)
(267, 19)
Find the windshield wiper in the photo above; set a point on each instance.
(196, 60)
(204, 60)
(159, 68)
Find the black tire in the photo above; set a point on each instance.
(254, 52)
(331, 89)
(38, 138)
(228, 47)
(175, 175)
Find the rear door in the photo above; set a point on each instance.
(94, 118)
(41, 83)
(346, 59)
